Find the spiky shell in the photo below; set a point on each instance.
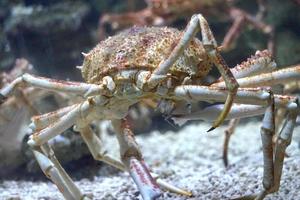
(143, 48)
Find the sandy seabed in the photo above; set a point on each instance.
(191, 159)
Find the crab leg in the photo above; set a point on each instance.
(44, 154)
(42, 121)
(133, 161)
(268, 79)
(84, 89)
(209, 113)
(273, 162)
(228, 132)
(65, 122)
(287, 89)
(288, 76)
(283, 141)
(267, 133)
(94, 144)
(65, 118)
(70, 192)
(198, 23)
(78, 112)
(240, 18)
(233, 32)
(55, 172)
(261, 62)
(254, 96)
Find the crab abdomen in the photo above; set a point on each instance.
(143, 48)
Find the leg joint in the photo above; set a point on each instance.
(131, 152)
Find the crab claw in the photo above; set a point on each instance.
(142, 178)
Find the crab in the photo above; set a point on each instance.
(166, 65)
(165, 12)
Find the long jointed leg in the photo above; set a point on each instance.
(259, 63)
(40, 122)
(133, 161)
(209, 113)
(281, 76)
(240, 18)
(273, 162)
(237, 111)
(267, 133)
(94, 144)
(83, 89)
(49, 125)
(287, 76)
(228, 132)
(198, 23)
(289, 88)
(44, 154)
(253, 96)
(54, 171)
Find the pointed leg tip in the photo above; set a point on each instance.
(211, 129)
(225, 164)
(149, 193)
(187, 193)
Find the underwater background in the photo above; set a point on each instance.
(51, 35)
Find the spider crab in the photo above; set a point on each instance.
(161, 64)
(165, 12)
